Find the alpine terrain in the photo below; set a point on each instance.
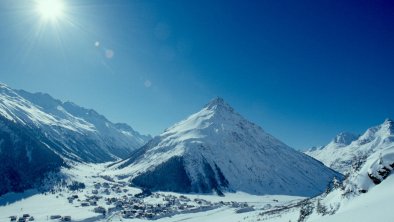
(38, 134)
(366, 194)
(348, 149)
(216, 149)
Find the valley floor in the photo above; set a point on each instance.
(374, 205)
(202, 207)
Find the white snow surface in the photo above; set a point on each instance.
(376, 205)
(340, 156)
(366, 194)
(250, 159)
(372, 206)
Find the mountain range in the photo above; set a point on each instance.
(214, 150)
(40, 134)
(366, 192)
(347, 149)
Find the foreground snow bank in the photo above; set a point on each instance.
(376, 205)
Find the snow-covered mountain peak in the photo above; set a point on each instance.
(381, 133)
(217, 149)
(5, 90)
(216, 117)
(345, 138)
(2, 85)
(340, 156)
(388, 124)
(219, 105)
(74, 131)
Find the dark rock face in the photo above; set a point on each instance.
(374, 179)
(172, 176)
(24, 159)
(383, 173)
(169, 176)
(212, 180)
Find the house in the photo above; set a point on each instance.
(107, 191)
(84, 204)
(128, 213)
(54, 217)
(119, 204)
(244, 210)
(184, 198)
(66, 218)
(31, 219)
(235, 204)
(149, 215)
(97, 185)
(13, 218)
(100, 210)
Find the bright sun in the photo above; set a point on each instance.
(50, 9)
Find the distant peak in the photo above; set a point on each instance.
(388, 124)
(218, 103)
(5, 90)
(4, 87)
(312, 149)
(217, 100)
(345, 138)
(388, 121)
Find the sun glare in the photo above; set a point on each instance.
(50, 9)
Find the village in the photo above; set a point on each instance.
(144, 205)
(111, 198)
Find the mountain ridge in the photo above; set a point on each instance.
(216, 149)
(67, 123)
(341, 156)
(40, 134)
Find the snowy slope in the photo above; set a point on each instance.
(217, 149)
(346, 149)
(366, 193)
(39, 134)
(24, 157)
(75, 132)
(375, 205)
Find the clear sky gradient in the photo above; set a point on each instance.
(303, 70)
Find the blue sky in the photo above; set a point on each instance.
(303, 70)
